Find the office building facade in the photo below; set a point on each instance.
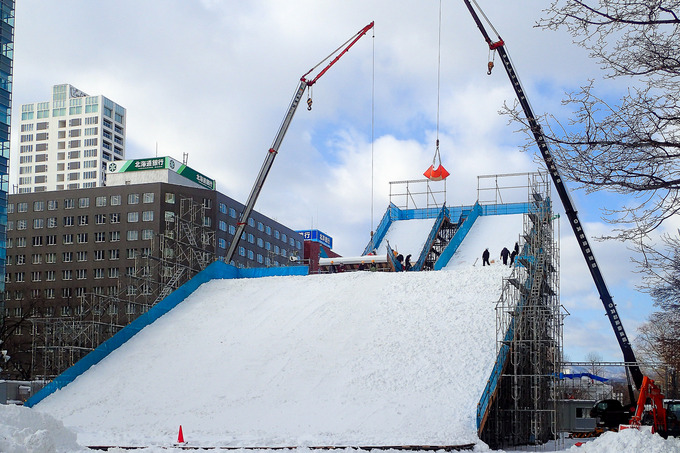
(65, 143)
(82, 264)
(6, 70)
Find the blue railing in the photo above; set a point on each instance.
(458, 237)
(443, 213)
(392, 213)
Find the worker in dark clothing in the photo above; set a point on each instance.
(516, 248)
(485, 258)
(513, 255)
(407, 264)
(400, 260)
(505, 253)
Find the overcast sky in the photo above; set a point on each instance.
(213, 79)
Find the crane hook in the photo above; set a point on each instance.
(490, 65)
(309, 103)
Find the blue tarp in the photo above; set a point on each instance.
(581, 375)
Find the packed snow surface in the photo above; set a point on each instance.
(407, 236)
(342, 359)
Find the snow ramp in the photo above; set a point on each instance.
(348, 359)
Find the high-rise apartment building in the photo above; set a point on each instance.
(6, 66)
(66, 143)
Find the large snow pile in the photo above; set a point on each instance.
(23, 430)
(342, 359)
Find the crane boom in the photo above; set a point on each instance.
(274, 149)
(570, 211)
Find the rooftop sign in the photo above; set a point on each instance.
(160, 163)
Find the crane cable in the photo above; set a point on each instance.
(439, 65)
(309, 85)
(372, 125)
(492, 52)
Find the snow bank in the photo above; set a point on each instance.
(23, 430)
(342, 359)
(630, 440)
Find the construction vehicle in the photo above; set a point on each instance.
(610, 413)
(274, 149)
(498, 45)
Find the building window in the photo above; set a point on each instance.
(37, 241)
(147, 234)
(170, 198)
(114, 272)
(100, 236)
(114, 236)
(133, 217)
(81, 274)
(67, 257)
(232, 213)
(69, 203)
(114, 254)
(84, 202)
(67, 239)
(49, 276)
(115, 200)
(51, 222)
(66, 274)
(50, 258)
(81, 238)
(99, 273)
(52, 205)
(82, 220)
(68, 221)
(222, 243)
(22, 207)
(132, 235)
(148, 197)
(147, 216)
(81, 255)
(98, 255)
(38, 223)
(114, 217)
(36, 258)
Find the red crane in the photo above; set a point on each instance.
(274, 149)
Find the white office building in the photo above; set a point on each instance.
(67, 142)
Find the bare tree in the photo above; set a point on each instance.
(632, 146)
(658, 344)
(594, 359)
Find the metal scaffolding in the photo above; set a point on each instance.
(529, 323)
(172, 258)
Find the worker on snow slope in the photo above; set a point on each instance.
(485, 258)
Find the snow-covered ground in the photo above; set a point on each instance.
(340, 359)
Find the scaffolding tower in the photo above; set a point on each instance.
(529, 326)
(172, 258)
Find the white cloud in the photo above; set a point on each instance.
(214, 78)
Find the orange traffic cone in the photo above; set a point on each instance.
(180, 437)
